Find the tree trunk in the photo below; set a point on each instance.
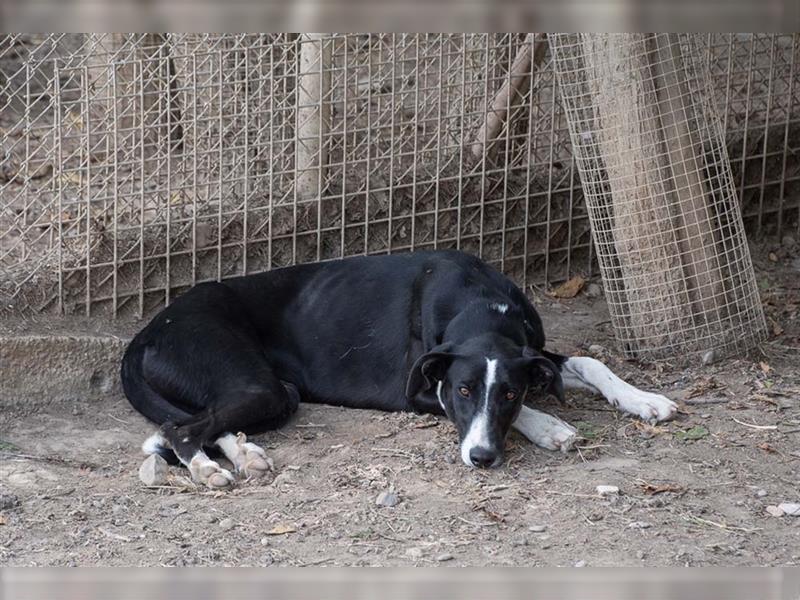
(628, 135)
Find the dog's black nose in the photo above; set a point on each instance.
(482, 457)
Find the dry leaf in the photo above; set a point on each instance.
(776, 328)
(701, 387)
(281, 529)
(765, 368)
(646, 430)
(569, 289)
(3, 520)
(773, 257)
(767, 448)
(652, 489)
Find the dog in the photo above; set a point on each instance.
(432, 332)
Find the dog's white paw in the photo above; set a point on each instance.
(649, 407)
(206, 471)
(248, 459)
(251, 460)
(545, 430)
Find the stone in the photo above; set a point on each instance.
(775, 511)
(414, 553)
(387, 498)
(580, 564)
(537, 528)
(761, 493)
(593, 290)
(607, 490)
(444, 557)
(709, 357)
(153, 471)
(227, 524)
(639, 525)
(8, 501)
(597, 350)
(790, 508)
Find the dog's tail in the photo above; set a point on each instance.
(149, 402)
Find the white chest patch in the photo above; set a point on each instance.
(501, 308)
(478, 434)
(439, 395)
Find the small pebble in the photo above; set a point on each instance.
(265, 541)
(761, 493)
(153, 471)
(639, 525)
(444, 557)
(790, 508)
(705, 416)
(775, 511)
(580, 563)
(537, 528)
(593, 291)
(787, 241)
(387, 498)
(227, 524)
(414, 553)
(207, 517)
(597, 349)
(607, 490)
(640, 554)
(709, 357)
(8, 501)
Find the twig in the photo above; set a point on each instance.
(53, 459)
(316, 562)
(700, 521)
(476, 524)
(114, 536)
(117, 419)
(754, 426)
(706, 401)
(573, 495)
(532, 50)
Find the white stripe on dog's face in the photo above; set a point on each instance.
(478, 434)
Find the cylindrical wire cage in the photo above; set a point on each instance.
(666, 222)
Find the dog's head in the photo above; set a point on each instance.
(481, 385)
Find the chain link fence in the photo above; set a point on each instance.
(134, 166)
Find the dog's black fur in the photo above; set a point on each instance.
(368, 332)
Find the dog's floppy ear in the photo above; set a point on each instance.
(544, 374)
(428, 369)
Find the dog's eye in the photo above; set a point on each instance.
(464, 391)
(511, 395)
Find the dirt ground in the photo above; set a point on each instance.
(692, 492)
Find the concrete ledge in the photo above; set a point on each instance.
(41, 370)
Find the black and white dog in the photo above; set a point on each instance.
(437, 332)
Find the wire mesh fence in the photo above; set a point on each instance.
(650, 150)
(134, 166)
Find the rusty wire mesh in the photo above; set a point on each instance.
(134, 166)
(650, 149)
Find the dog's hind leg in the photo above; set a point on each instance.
(581, 372)
(255, 408)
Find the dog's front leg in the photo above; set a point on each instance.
(545, 430)
(586, 373)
